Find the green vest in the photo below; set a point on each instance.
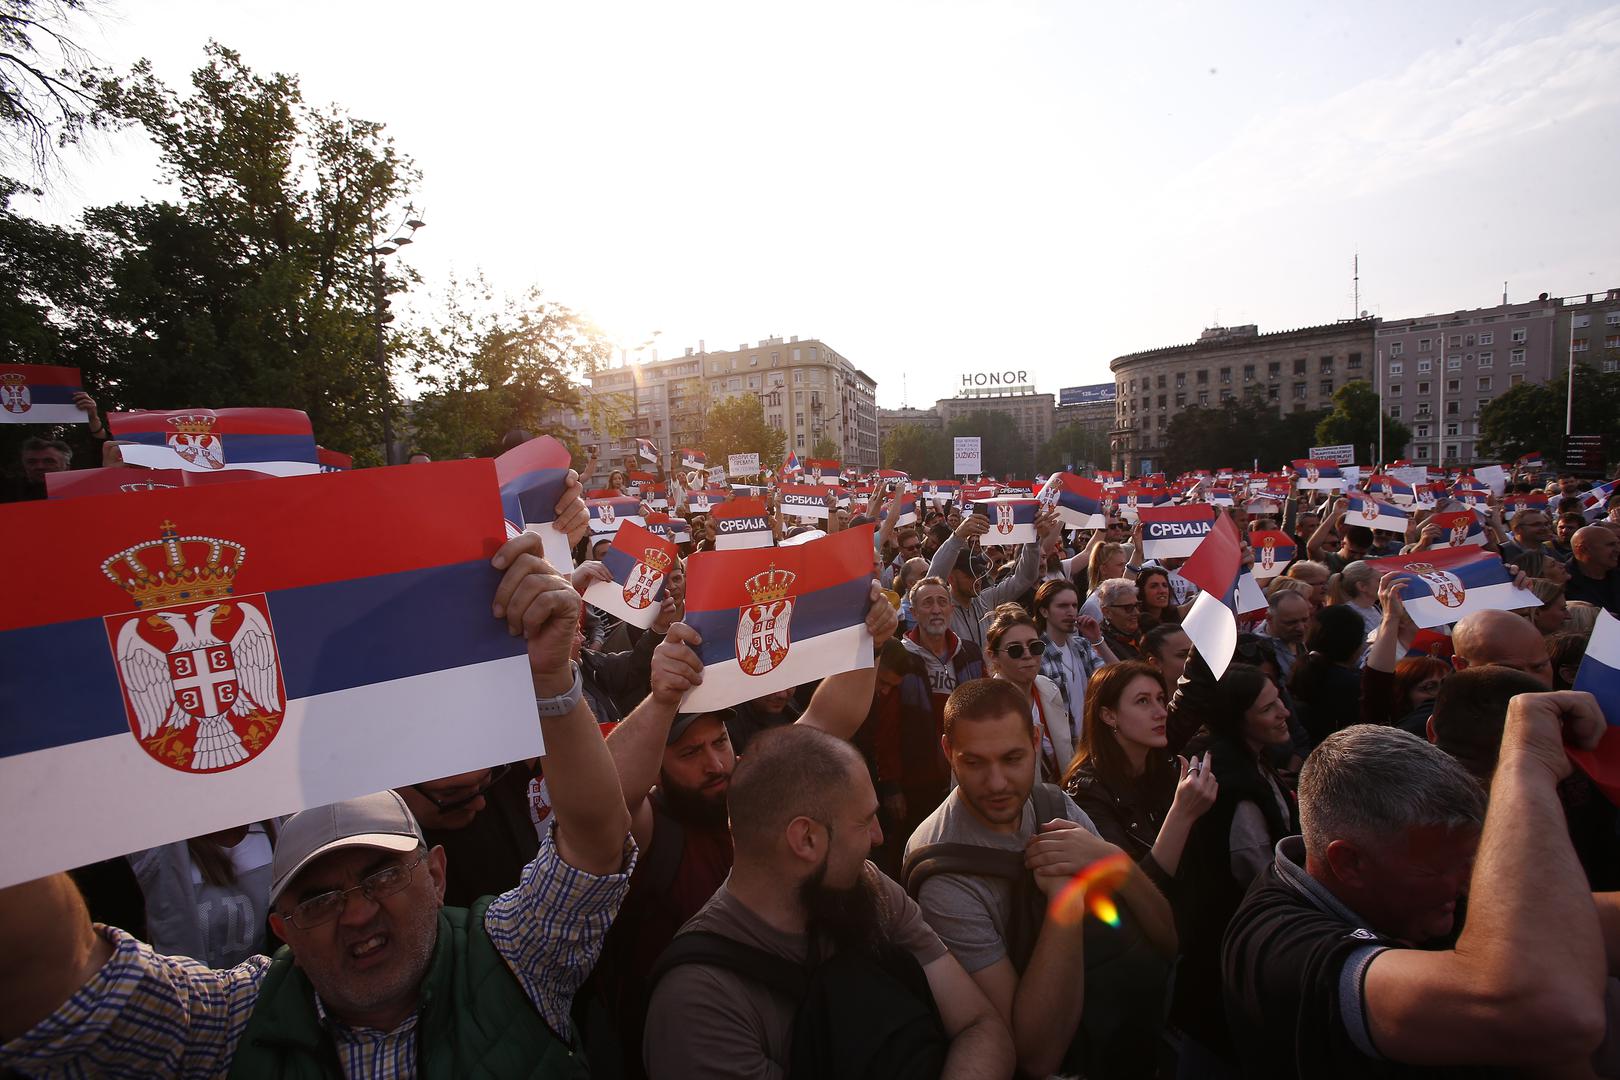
(474, 1019)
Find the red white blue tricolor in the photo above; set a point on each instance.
(640, 562)
(40, 394)
(1174, 532)
(1446, 584)
(274, 441)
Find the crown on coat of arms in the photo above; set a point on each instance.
(194, 424)
(13, 378)
(1419, 568)
(658, 559)
(769, 585)
(192, 568)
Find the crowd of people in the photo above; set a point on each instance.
(1361, 851)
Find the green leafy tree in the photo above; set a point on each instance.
(736, 425)
(1532, 417)
(825, 449)
(489, 371)
(1238, 432)
(1354, 422)
(920, 451)
(256, 285)
(1074, 444)
(1002, 449)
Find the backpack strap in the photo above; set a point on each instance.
(1050, 805)
(702, 947)
(974, 859)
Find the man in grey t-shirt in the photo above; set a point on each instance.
(992, 744)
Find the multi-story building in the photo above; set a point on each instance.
(1440, 371)
(1294, 370)
(808, 390)
(1029, 412)
(1591, 323)
(889, 419)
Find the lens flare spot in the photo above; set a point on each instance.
(1092, 889)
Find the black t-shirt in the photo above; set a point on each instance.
(1293, 974)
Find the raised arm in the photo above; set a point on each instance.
(47, 951)
(1028, 568)
(841, 703)
(1325, 531)
(637, 743)
(1524, 985)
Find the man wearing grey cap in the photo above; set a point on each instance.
(378, 977)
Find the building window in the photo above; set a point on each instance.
(1452, 407)
(1203, 397)
(1274, 368)
(1327, 387)
(1203, 378)
(1612, 319)
(1486, 359)
(1181, 380)
(1456, 340)
(1516, 358)
(1423, 431)
(1611, 364)
(1395, 389)
(734, 383)
(1248, 373)
(1161, 382)
(1226, 395)
(1520, 335)
(799, 439)
(1396, 367)
(1395, 412)
(1181, 401)
(1133, 386)
(1451, 451)
(1160, 424)
(1453, 429)
(1161, 400)
(1226, 376)
(1273, 393)
(1425, 364)
(1299, 391)
(813, 352)
(1355, 361)
(1299, 365)
(1580, 322)
(1453, 386)
(1485, 382)
(1423, 453)
(1396, 348)
(1516, 378)
(753, 382)
(1424, 344)
(798, 419)
(1454, 363)
(1487, 337)
(1578, 345)
(1327, 365)
(1469, 341)
(1479, 405)
(1423, 388)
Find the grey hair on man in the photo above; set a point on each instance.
(1115, 591)
(1369, 783)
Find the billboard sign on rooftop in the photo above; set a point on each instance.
(1095, 394)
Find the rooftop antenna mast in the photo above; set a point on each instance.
(905, 397)
(1355, 287)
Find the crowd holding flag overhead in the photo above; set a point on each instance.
(1170, 673)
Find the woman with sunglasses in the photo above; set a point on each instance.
(1016, 648)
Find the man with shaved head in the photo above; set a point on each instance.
(1593, 576)
(1502, 638)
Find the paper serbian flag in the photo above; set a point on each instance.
(176, 662)
(1368, 512)
(609, 512)
(1318, 475)
(773, 619)
(821, 471)
(1012, 521)
(532, 476)
(640, 562)
(275, 441)
(1599, 675)
(1079, 501)
(805, 500)
(1446, 584)
(675, 530)
(741, 523)
(1212, 621)
(1273, 551)
(1458, 527)
(40, 394)
(1174, 532)
(692, 459)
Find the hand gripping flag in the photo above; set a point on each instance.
(693, 459)
(71, 485)
(40, 394)
(178, 661)
(1446, 584)
(532, 476)
(1369, 513)
(771, 620)
(275, 441)
(820, 471)
(1174, 532)
(656, 496)
(907, 511)
(1273, 551)
(607, 514)
(1079, 501)
(1318, 475)
(741, 523)
(1212, 622)
(805, 500)
(791, 466)
(1599, 675)
(640, 562)
(1457, 528)
(1012, 521)
(647, 450)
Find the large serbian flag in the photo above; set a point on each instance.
(1174, 532)
(805, 500)
(1212, 621)
(771, 620)
(1318, 475)
(741, 523)
(333, 460)
(1599, 675)
(1446, 584)
(821, 471)
(40, 394)
(532, 476)
(181, 661)
(275, 441)
(1012, 521)
(1079, 501)
(1369, 513)
(1273, 551)
(77, 482)
(640, 562)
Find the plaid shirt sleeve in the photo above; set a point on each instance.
(1052, 667)
(142, 1015)
(551, 927)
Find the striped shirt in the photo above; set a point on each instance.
(144, 1014)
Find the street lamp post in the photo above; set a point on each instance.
(398, 237)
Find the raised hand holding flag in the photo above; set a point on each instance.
(1212, 622)
(532, 476)
(640, 562)
(1599, 675)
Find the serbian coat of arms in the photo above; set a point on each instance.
(763, 627)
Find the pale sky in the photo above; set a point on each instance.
(941, 187)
